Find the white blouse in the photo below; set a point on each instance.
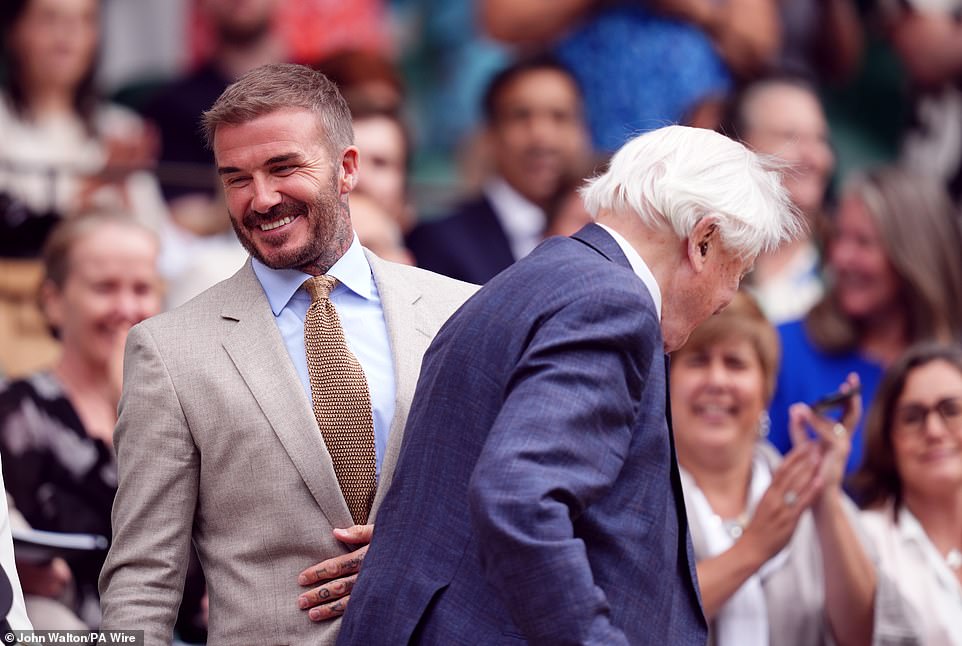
(42, 163)
(928, 584)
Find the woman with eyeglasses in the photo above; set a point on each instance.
(910, 485)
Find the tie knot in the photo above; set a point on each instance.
(320, 287)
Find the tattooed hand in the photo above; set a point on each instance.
(329, 600)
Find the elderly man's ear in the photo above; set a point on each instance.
(703, 238)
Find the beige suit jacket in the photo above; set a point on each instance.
(217, 441)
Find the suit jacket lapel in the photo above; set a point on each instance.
(257, 350)
(410, 333)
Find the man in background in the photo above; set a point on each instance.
(538, 141)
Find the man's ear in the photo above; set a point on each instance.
(701, 241)
(350, 161)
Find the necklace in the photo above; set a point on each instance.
(954, 559)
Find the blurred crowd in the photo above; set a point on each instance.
(477, 122)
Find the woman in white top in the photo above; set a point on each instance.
(63, 149)
(910, 484)
(778, 553)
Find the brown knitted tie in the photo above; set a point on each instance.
(342, 402)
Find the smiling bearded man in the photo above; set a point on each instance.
(262, 420)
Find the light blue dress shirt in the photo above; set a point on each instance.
(358, 306)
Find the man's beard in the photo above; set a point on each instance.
(323, 219)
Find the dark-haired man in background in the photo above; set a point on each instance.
(539, 142)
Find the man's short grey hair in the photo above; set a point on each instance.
(270, 88)
(675, 176)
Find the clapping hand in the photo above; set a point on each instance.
(795, 484)
(833, 438)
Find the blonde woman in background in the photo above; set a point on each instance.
(56, 426)
(895, 278)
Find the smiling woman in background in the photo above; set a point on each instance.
(895, 277)
(911, 484)
(776, 542)
(56, 427)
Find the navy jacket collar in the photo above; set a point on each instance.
(599, 240)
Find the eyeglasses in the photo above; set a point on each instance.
(910, 420)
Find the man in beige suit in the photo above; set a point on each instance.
(218, 438)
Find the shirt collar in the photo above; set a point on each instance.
(912, 533)
(351, 270)
(518, 216)
(909, 526)
(638, 265)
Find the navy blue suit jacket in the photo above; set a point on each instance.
(536, 496)
(468, 245)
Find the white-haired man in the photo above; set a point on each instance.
(537, 495)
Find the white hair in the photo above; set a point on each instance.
(677, 175)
